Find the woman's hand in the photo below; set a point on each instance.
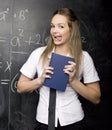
(70, 69)
(47, 72)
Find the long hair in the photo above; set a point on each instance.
(75, 37)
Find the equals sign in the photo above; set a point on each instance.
(2, 39)
(5, 81)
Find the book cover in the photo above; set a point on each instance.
(59, 79)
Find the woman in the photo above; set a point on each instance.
(64, 39)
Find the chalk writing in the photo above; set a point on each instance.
(19, 52)
(38, 38)
(14, 83)
(30, 41)
(5, 81)
(3, 39)
(21, 32)
(83, 39)
(0, 65)
(3, 14)
(15, 41)
(22, 14)
(8, 67)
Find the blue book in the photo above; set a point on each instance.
(59, 79)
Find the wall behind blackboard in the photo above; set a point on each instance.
(24, 26)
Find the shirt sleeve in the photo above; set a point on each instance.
(89, 71)
(29, 67)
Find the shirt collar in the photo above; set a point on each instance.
(53, 51)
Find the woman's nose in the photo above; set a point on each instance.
(55, 30)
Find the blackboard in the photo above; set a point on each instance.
(24, 26)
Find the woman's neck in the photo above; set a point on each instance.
(62, 50)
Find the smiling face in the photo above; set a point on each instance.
(60, 30)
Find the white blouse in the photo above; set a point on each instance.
(68, 106)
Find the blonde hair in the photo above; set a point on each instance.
(74, 41)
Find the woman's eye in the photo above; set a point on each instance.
(61, 26)
(52, 26)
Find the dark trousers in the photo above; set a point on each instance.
(75, 126)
